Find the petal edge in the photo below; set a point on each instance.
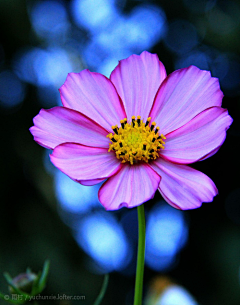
(130, 187)
(85, 163)
(198, 139)
(137, 79)
(182, 95)
(60, 125)
(94, 95)
(182, 186)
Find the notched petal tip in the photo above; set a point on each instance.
(93, 95)
(71, 75)
(125, 187)
(123, 205)
(137, 80)
(31, 129)
(61, 125)
(184, 187)
(199, 139)
(81, 162)
(184, 94)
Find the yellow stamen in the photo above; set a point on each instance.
(136, 141)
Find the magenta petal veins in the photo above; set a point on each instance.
(184, 94)
(130, 187)
(137, 80)
(93, 95)
(182, 186)
(60, 125)
(201, 136)
(84, 163)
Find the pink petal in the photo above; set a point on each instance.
(137, 80)
(93, 95)
(85, 163)
(184, 94)
(130, 187)
(200, 137)
(59, 125)
(182, 186)
(91, 182)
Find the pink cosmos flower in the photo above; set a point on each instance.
(138, 131)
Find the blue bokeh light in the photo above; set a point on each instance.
(94, 15)
(197, 58)
(219, 64)
(49, 167)
(52, 66)
(43, 67)
(49, 19)
(145, 25)
(12, 90)
(74, 197)
(230, 82)
(224, 66)
(181, 37)
(101, 236)
(109, 65)
(166, 234)
(176, 295)
(23, 64)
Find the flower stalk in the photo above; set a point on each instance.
(102, 291)
(140, 256)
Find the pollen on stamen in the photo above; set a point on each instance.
(148, 120)
(153, 126)
(136, 141)
(138, 120)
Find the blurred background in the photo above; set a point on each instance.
(192, 257)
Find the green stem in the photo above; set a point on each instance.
(103, 290)
(140, 256)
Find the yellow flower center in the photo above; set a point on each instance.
(136, 141)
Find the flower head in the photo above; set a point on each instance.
(138, 131)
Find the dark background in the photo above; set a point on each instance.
(31, 227)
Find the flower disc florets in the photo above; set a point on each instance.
(136, 141)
